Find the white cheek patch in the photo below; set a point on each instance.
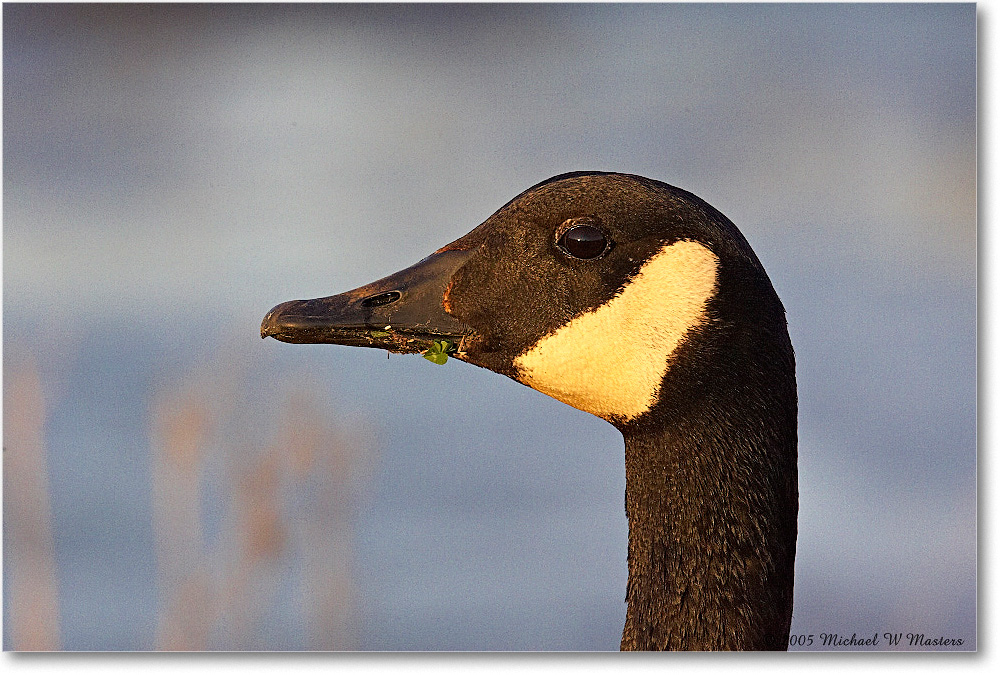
(610, 362)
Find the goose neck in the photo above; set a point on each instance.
(712, 529)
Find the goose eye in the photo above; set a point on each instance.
(584, 241)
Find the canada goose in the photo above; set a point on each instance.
(637, 302)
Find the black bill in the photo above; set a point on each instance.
(403, 312)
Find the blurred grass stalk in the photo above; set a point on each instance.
(281, 552)
(288, 511)
(185, 589)
(28, 541)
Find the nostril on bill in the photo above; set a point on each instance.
(381, 299)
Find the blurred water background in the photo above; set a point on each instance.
(170, 172)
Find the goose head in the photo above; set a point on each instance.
(641, 304)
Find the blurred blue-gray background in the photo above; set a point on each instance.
(172, 172)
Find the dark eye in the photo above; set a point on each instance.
(584, 241)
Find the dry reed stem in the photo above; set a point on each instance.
(293, 500)
(326, 463)
(34, 600)
(289, 500)
(181, 425)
